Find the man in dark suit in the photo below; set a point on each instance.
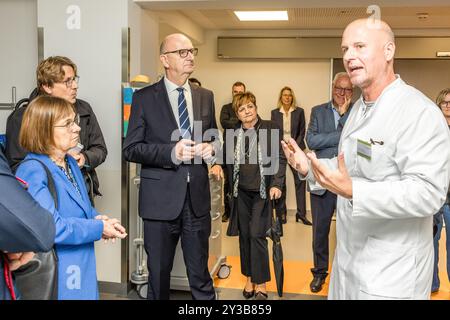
(168, 120)
(324, 132)
(291, 119)
(24, 226)
(229, 120)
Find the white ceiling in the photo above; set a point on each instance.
(307, 14)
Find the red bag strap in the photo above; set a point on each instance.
(8, 277)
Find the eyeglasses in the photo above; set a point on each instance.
(69, 82)
(244, 107)
(342, 90)
(184, 52)
(445, 104)
(70, 123)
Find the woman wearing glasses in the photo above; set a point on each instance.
(50, 129)
(443, 102)
(57, 77)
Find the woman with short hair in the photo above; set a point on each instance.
(257, 176)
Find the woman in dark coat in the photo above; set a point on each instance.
(257, 167)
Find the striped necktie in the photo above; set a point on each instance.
(185, 126)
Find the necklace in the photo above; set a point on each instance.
(59, 163)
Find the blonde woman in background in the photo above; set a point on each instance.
(291, 119)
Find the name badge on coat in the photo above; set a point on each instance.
(364, 149)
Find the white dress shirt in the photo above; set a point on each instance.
(173, 98)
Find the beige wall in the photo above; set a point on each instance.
(309, 79)
(19, 51)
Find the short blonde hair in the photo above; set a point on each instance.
(294, 100)
(37, 130)
(241, 98)
(441, 96)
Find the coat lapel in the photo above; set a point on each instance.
(295, 122)
(163, 99)
(82, 201)
(196, 107)
(330, 118)
(62, 182)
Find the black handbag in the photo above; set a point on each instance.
(38, 279)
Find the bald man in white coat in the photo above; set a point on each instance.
(391, 176)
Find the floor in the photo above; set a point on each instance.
(297, 253)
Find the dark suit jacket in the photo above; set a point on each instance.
(164, 183)
(298, 124)
(322, 136)
(228, 118)
(24, 224)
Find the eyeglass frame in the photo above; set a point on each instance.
(193, 51)
(245, 106)
(70, 124)
(69, 82)
(444, 104)
(346, 90)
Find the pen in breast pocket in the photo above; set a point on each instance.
(376, 142)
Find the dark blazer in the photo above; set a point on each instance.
(24, 224)
(228, 118)
(273, 180)
(322, 136)
(164, 183)
(91, 137)
(298, 124)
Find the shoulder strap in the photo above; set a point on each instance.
(21, 102)
(50, 181)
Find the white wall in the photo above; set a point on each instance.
(19, 53)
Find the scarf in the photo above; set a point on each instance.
(237, 162)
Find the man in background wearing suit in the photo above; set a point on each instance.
(174, 199)
(324, 132)
(229, 120)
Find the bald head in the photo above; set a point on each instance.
(374, 26)
(368, 49)
(171, 40)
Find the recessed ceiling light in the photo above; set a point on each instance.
(262, 15)
(422, 15)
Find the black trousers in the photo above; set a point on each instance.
(300, 196)
(322, 208)
(160, 241)
(252, 241)
(226, 194)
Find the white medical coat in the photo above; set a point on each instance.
(384, 235)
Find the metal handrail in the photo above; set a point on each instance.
(7, 105)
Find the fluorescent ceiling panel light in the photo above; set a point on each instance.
(262, 15)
